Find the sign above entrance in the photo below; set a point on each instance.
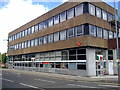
(32, 59)
(99, 57)
(46, 62)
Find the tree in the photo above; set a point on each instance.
(4, 58)
(0, 58)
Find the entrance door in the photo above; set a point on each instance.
(110, 68)
(99, 68)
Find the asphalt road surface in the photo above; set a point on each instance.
(12, 79)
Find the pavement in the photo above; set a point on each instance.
(102, 78)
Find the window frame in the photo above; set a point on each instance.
(56, 19)
(98, 31)
(95, 30)
(61, 16)
(50, 38)
(50, 22)
(65, 35)
(91, 9)
(45, 39)
(76, 31)
(56, 36)
(104, 15)
(68, 32)
(70, 13)
(104, 35)
(81, 10)
(98, 12)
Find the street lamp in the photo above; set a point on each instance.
(116, 29)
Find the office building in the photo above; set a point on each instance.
(76, 38)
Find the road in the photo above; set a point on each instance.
(17, 79)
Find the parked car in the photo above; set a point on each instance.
(3, 65)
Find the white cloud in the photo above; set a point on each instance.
(16, 14)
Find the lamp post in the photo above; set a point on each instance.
(116, 29)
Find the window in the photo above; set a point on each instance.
(72, 54)
(72, 65)
(26, 33)
(29, 43)
(41, 26)
(50, 38)
(25, 44)
(36, 28)
(57, 55)
(32, 42)
(45, 24)
(105, 34)
(81, 54)
(115, 35)
(17, 46)
(98, 12)
(56, 19)
(23, 33)
(99, 32)
(41, 40)
(56, 36)
(79, 10)
(63, 35)
(70, 33)
(62, 16)
(92, 30)
(15, 37)
(92, 9)
(110, 17)
(20, 35)
(14, 46)
(81, 66)
(45, 39)
(104, 15)
(22, 44)
(50, 22)
(70, 13)
(29, 30)
(33, 29)
(110, 34)
(64, 55)
(36, 41)
(81, 57)
(110, 54)
(79, 30)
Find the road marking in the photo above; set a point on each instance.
(18, 73)
(99, 82)
(28, 85)
(109, 85)
(81, 86)
(87, 86)
(0, 74)
(7, 80)
(71, 84)
(45, 80)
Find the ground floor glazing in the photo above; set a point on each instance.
(92, 61)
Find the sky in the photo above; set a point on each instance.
(15, 13)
